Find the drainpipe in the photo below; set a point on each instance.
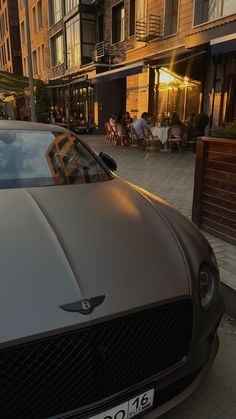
(30, 67)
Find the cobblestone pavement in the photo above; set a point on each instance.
(170, 176)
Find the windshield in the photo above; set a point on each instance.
(44, 158)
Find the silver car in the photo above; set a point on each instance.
(109, 297)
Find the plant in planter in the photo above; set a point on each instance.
(228, 131)
(201, 120)
(42, 99)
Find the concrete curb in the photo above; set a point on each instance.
(227, 278)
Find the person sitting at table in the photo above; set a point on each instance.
(140, 123)
(128, 118)
(113, 120)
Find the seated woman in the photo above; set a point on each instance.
(113, 120)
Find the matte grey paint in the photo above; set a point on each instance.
(62, 244)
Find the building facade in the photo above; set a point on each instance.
(10, 51)
(173, 56)
(10, 56)
(105, 56)
(38, 17)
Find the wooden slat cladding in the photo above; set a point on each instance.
(221, 166)
(220, 211)
(225, 201)
(214, 204)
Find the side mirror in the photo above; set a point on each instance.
(109, 161)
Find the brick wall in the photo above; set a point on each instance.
(137, 87)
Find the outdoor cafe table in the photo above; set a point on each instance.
(161, 133)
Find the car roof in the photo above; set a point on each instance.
(30, 126)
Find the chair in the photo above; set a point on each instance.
(150, 142)
(135, 139)
(121, 134)
(111, 135)
(175, 137)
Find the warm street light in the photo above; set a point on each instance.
(30, 67)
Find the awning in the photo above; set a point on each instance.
(174, 59)
(204, 36)
(223, 44)
(13, 83)
(118, 73)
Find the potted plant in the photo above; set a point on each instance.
(201, 120)
(42, 99)
(228, 131)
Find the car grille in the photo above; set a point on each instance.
(71, 370)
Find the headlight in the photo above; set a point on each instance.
(206, 286)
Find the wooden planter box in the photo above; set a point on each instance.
(214, 200)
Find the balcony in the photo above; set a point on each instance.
(100, 51)
(148, 28)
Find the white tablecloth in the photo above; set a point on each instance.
(161, 133)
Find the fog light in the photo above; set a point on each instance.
(206, 286)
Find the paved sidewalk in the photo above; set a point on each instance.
(171, 176)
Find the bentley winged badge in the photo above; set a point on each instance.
(84, 306)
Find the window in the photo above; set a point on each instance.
(118, 23)
(73, 42)
(55, 11)
(132, 18)
(88, 37)
(43, 56)
(171, 17)
(140, 12)
(35, 66)
(207, 10)
(43, 158)
(3, 51)
(2, 25)
(40, 16)
(57, 50)
(70, 5)
(25, 66)
(8, 50)
(100, 28)
(22, 29)
(6, 19)
(39, 61)
(34, 19)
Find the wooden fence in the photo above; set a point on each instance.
(214, 200)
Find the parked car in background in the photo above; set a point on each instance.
(109, 298)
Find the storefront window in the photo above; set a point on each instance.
(207, 10)
(177, 94)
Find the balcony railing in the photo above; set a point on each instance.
(101, 49)
(148, 28)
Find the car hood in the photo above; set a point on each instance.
(64, 243)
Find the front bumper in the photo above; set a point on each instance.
(197, 377)
(171, 388)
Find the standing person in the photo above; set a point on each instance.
(140, 123)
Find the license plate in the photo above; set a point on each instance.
(129, 409)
